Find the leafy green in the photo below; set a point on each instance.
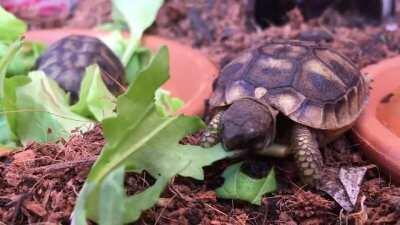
(139, 60)
(11, 28)
(166, 104)
(7, 137)
(42, 111)
(39, 98)
(238, 185)
(5, 62)
(144, 200)
(9, 119)
(138, 139)
(95, 100)
(112, 198)
(116, 42)
(139, 15)
(25, 58)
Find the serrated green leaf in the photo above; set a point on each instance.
(139, 15)
(7, 98)
(134, 105)
(95, 100)
(137, 62)
(11, 28)
(112, 26)
(116, 42)
(240, 186)
(78, 216)
(8, 120)
(112, 197)
(5, 61)
(144, 200)
(139, 138)
(166, 104)
(42, 111)
(25, 58)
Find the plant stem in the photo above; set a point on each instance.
(130, 50)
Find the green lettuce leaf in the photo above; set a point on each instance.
(138, 60)
(116, 42)
(43, 113)
(140, 138)
(7, 93)
(139, 15)
(11, 28)
(166, 104)
(240, 186)
(8, 121)
(95, 100)
(112, 198)
(25, 58)
(137, 63)
(144, 200)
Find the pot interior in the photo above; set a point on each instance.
(388, 111)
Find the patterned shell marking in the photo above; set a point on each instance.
(310, 84)
(65, 61)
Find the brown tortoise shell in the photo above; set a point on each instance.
(65, 61)
(311, 84)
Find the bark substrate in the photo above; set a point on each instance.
(40, 182)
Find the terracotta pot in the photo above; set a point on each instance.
(378, 127)
(191, 73)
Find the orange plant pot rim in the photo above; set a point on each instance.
(379, 143)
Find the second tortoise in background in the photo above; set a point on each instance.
(65, 61)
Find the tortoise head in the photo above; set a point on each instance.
(248, 123)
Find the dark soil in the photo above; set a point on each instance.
(40, 183)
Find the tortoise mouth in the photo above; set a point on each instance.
(247, 124)
(248, 141)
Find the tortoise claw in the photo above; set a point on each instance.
(211, 136)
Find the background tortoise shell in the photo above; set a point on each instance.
(65, 61)
(311, 84)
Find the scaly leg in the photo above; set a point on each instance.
(307, 155)
(212, 134)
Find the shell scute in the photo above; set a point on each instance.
(310, 84)
(271, 73)
(66, 60)
(344, 70)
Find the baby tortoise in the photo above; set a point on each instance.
(317, 92)
(65, 62)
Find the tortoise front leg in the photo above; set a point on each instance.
(307, 155)
(211, 135)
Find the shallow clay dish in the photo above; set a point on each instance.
(191, 73)
(378, 127)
